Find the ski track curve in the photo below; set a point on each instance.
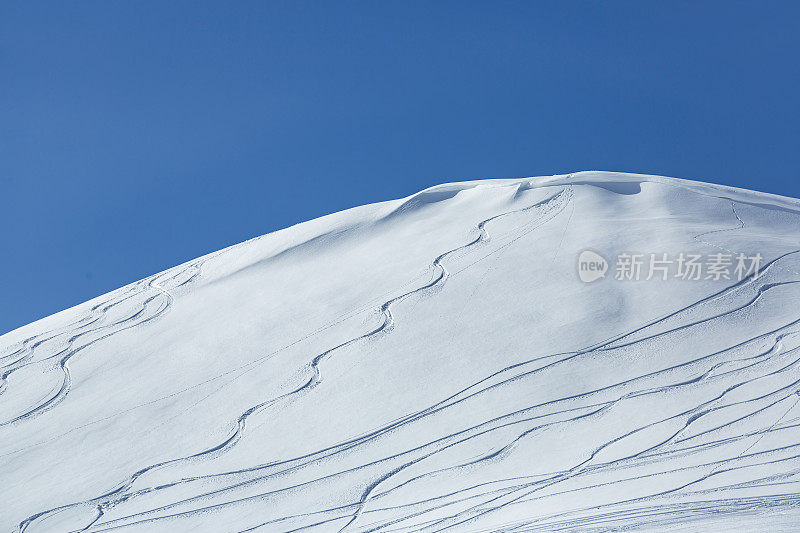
(136, 319)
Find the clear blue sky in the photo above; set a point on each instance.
(137, 135)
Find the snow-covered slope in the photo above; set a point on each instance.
(426, 364)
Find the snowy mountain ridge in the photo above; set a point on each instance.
(431, 363)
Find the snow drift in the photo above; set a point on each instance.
(427, 364)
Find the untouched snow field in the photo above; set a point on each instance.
(428, 364)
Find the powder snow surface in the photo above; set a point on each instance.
(428, 364)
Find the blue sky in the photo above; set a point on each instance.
(137, 135)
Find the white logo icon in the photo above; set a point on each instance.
(591, 266)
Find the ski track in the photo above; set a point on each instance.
(99, 326)
(741, 373)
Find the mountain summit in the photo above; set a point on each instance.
(585, 352)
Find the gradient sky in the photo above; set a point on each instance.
(138, 135)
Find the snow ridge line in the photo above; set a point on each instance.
(763, 359)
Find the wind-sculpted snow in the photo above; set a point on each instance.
(428, 364)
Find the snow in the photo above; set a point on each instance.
(425, 364)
